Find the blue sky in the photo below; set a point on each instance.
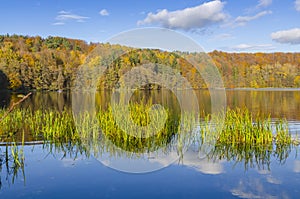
(232, 25)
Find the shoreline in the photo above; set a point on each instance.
(264, 89)
(226, 89)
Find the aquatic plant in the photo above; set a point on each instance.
(244, 137)
(250, 139)
(14, 160)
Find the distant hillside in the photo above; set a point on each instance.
(51, 64)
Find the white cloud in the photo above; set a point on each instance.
(104, 12)
(58, 23)
(189, 18)
(246, 47)
(259, 6)
(223, 36)
(297, 5)
(63, 12)
(291, 36)
(243, 20)
(64, 16)
(264, 3)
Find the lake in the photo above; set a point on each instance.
(58, 170)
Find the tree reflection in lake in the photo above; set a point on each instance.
(279, 104)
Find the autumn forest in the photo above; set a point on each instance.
(35, 63)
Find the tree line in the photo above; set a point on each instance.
(52, 63)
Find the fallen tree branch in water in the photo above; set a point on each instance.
(14, 105)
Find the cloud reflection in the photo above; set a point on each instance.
(203, 165)
(296, 166)
(253, 188)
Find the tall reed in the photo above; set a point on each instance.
(242, 134)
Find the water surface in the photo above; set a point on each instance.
(52, 171)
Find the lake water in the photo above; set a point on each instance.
(53, 171)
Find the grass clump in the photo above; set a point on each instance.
(145, 137)
(250, 139)
(241, 128)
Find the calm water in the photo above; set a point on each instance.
(57, 172)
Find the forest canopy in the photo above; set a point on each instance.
(51, 63)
